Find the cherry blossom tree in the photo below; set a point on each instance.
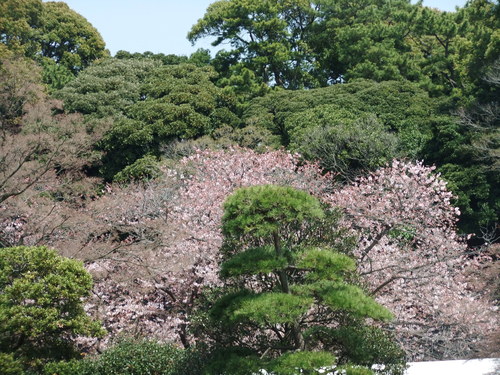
(170, 230)
(413, 261)
(153, 247)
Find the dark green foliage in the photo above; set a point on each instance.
(347, 148)
(151, 106)
(55, 76)
(351, 127)
(364, 40)
(252, 137)
(477, 195)
(465, 150)
(279, 293)
(176, 102)
(367, 345)
(182, 102)
(252, 261)
(266, 37)
(40, 304)
(234, 361)
(479, 24)
(143, 169)
(200, 58)
(134, 358)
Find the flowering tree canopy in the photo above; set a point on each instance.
(154, 246)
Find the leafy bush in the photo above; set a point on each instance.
(40, 304)
(145, 168)
(348, 148)
(9, 365)
(133, 358)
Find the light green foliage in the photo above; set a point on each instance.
(400, 107)
(325, 264)
(182, 101)
(9, 365)
(55, 76)
(133, 358)
(19, 20)
(277, 293)
(350, 128)
(68, 38)
(107, 88)
(354, 370)
(260, 211)
(40, 304)
(264, 309)
(50, 30)
(341, 296)
(143, 169)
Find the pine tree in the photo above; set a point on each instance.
(289, 300)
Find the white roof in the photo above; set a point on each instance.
(487, 366)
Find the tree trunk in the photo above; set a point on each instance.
(298, 338)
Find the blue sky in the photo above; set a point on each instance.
(161, 25)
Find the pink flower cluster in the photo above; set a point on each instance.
(408, 253)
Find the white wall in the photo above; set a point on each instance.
(489, 366)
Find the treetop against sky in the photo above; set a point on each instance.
(161, 25)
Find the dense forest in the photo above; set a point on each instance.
(321, 195)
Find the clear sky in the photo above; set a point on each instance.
(161, 25)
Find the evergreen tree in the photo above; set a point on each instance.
(41, 310)
(290, 301)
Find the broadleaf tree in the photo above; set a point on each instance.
(41, 310)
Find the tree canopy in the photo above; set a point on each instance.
(370, 178)
(41, 310)
(287, 290)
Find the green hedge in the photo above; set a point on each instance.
(133, 358)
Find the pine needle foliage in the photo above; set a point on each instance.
(286, 293)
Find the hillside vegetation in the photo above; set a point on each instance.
(322, 193)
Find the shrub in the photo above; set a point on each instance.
(131, 357)
(40, 305)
